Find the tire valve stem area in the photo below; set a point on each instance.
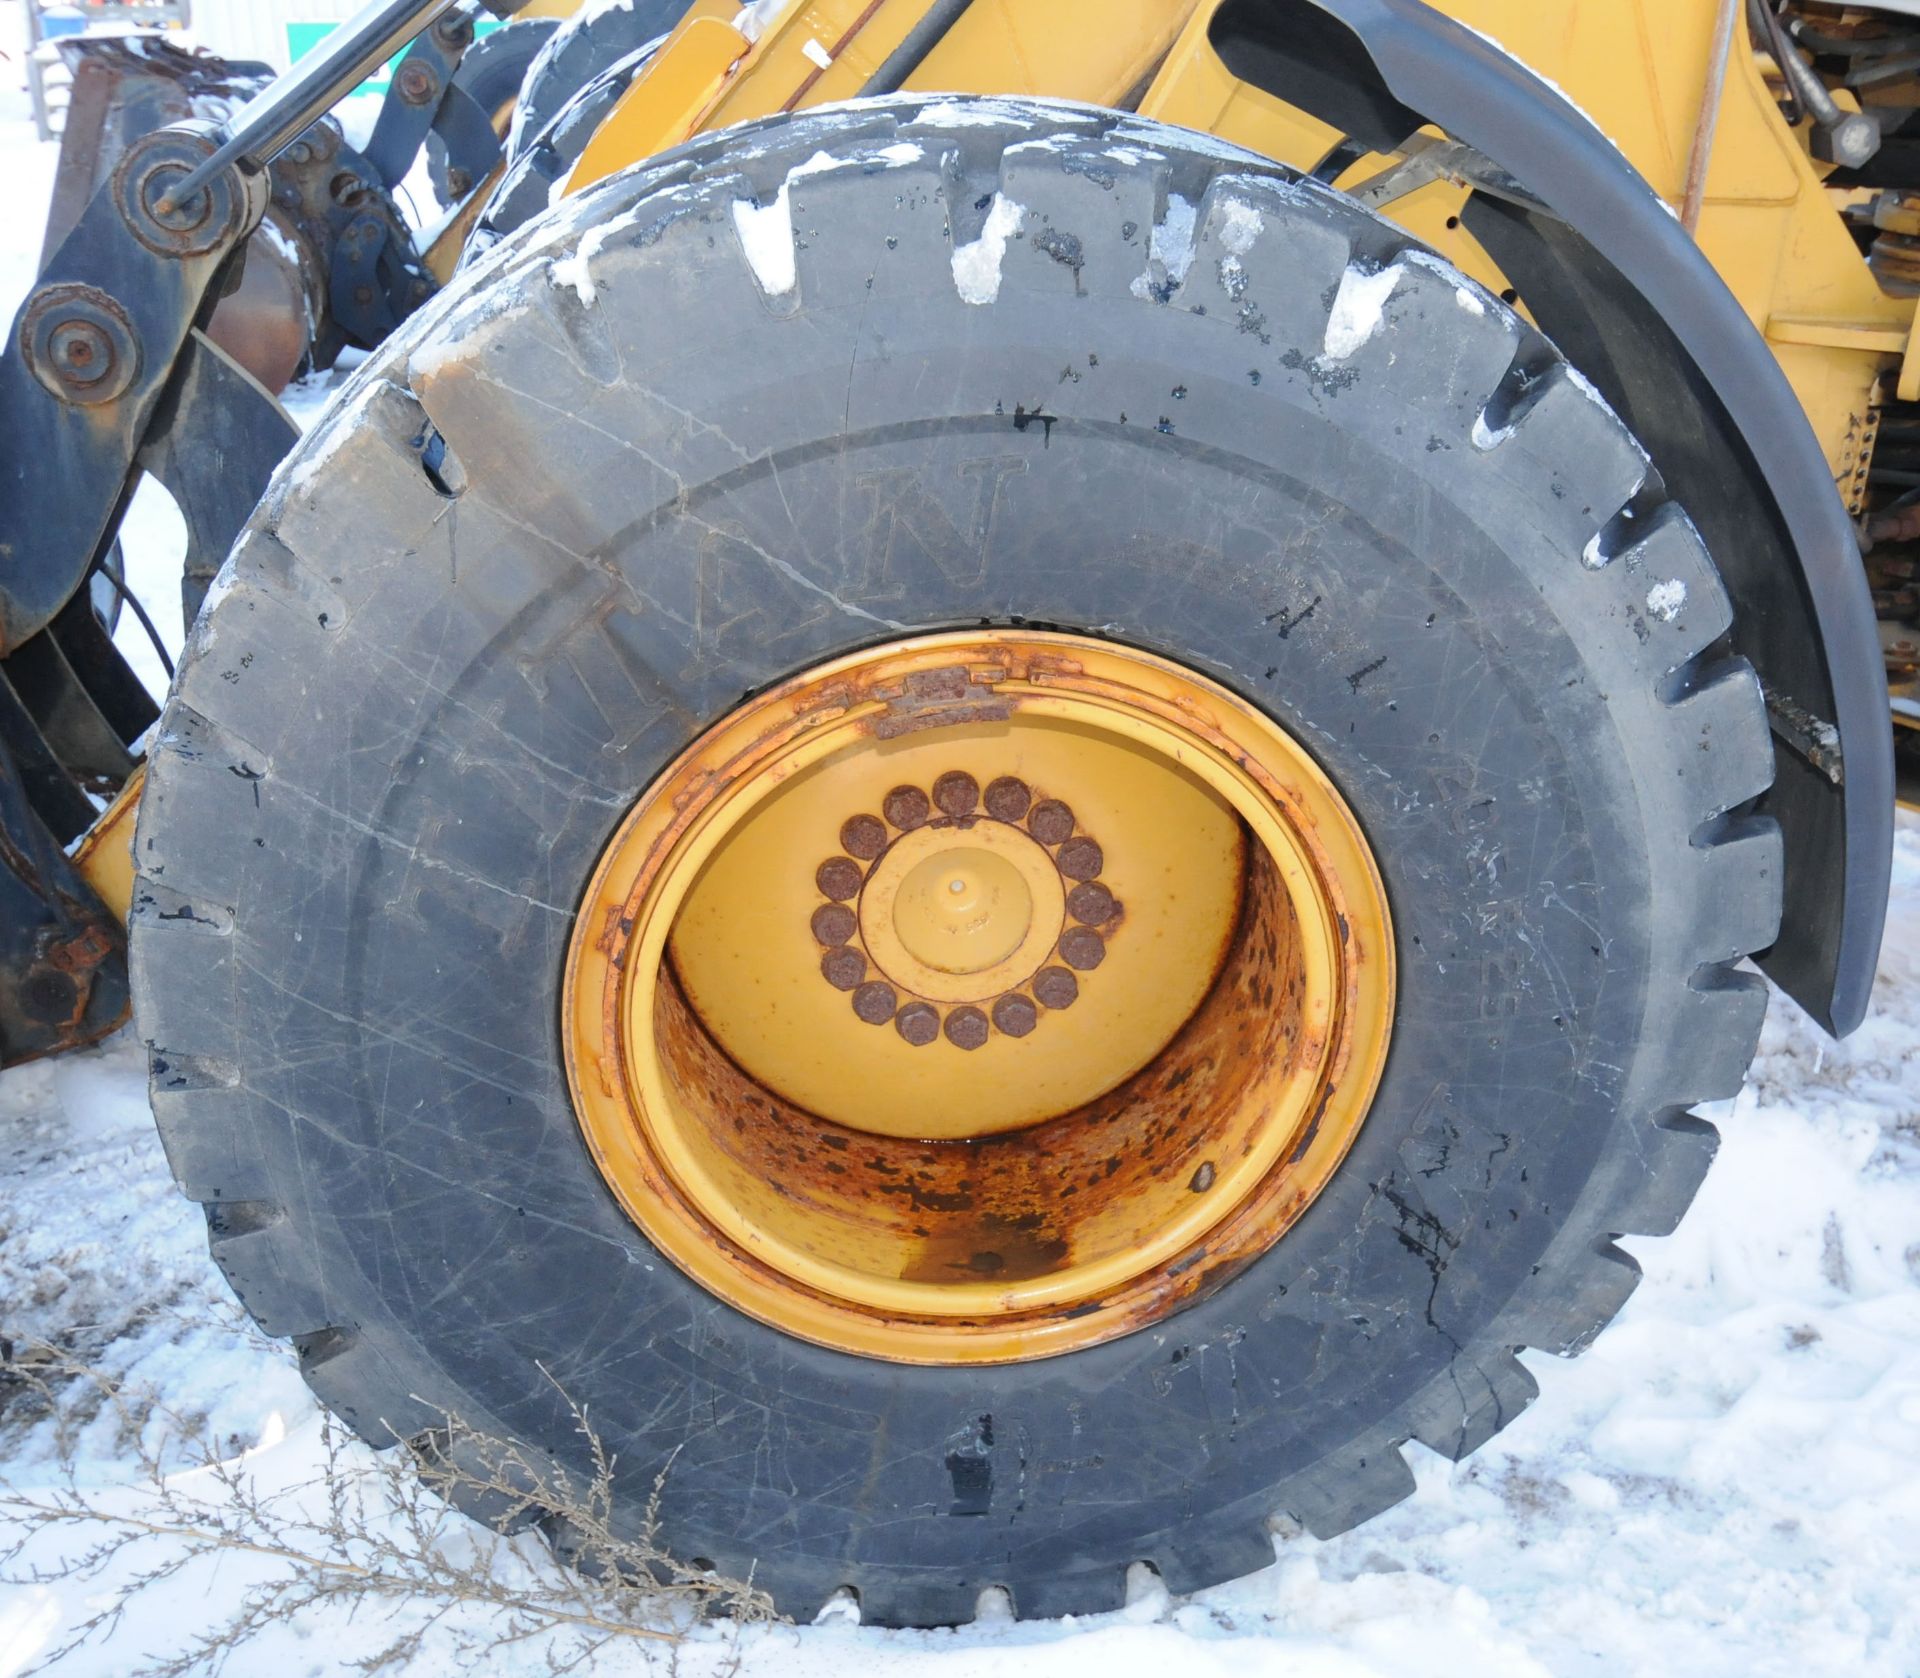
(989, 1033)
(947, 893)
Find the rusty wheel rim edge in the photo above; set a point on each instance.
(621, 933)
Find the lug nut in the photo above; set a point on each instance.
(840, 878)
(1092, 904)
(918, 1023)
(1015, 1015)
(875, 1002)
(834, 923)
(1051, 822)
(863, 836)
(1081, 859)
(906, 807)
(1008, 799)
(843, 968)
(1082, 948)
(967, 1028)
(1056, 988)
(956, 792)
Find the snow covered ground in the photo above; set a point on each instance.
(1728, 1483)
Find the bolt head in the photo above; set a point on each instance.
(187, 216)
(907, 807)
(966, 1028)
(82, 352)
(1851, 143)
(416, 84)
(863, 836)
(918, 1023)
(1051, 822)
(79, 345)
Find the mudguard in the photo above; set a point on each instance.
(1611, 276)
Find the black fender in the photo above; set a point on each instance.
(1611, 276)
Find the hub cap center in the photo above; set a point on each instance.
(963, 910)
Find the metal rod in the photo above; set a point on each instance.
(285, 109)
(921, 39)
(1703, 134)
(1805, 84)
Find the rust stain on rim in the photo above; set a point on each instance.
(1176, 1164)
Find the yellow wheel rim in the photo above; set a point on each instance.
(979, 997)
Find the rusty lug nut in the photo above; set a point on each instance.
(416, 84)
(1092, 904)
(863, 836)
(918, 1023)
(967, 1028)
(1015, 1015)
(906, 807)
(834, 923)
(840, 878)
(874, 1002)
(956, 792)
(843, 968)
(1051, 822)
(363, 295)
(1008, 799)
(1056, 988)
(1081, 859)
(1082, 948)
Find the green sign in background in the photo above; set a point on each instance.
(302, 38)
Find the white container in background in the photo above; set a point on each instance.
(258, 29)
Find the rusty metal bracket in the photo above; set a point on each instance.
(92, 353)
(63, 980)
(421, 83)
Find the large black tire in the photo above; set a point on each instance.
(614, 482)
(587, 45)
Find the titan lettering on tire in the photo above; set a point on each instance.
(808, 389)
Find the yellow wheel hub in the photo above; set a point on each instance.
(961, 913)
(979, 998)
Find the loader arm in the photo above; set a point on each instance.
(107, 375)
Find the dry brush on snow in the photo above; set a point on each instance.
(379, 1534)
